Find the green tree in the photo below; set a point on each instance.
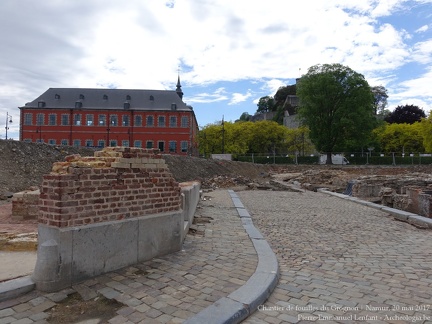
(267, 137)
(405, 114)
(243, 137)
(380, 99)
(426, 132)
(266, 104)
(298, 140)
(280, 102)
(245, 116)
(336, 103)
(404, 138)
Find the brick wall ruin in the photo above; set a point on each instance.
(117, 183)
(102, 213)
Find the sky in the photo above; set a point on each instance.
(228, 53)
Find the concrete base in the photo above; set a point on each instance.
(67, 256)
(72, 255)
(16, 287)
(190, 192)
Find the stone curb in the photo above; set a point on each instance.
(16, 287)
(404, 216)
(241, 303)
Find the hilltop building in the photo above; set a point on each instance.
(111, 117)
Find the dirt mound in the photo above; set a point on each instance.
(22, 165)
(188, 168)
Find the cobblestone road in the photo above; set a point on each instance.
(168, 289)
(341, 262)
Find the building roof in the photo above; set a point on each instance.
(109, 99)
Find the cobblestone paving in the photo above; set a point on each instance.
(168, 289)
(341, 262)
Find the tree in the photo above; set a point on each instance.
(400, 137)
(245, 116)
(298, 140)
(336, 103)
(244, 137)
(380, 99)
(280, 102)
(408, 114)
(268, 136)
(426, 131)
(265, 104)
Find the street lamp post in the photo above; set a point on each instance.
(8, 121)
(39, 131)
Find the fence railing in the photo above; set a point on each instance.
(354, 158)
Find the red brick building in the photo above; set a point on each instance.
(111, 117)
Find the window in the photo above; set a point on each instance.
(149, 144)
(114, 120)
(113, 143)
(90, 120)
(39, 140)
(125, 143)
(64, 142)
(150, 121)
(57, 96)
(126, 105)
(101, 143)
(27, 140)
(40, 119)
(102, 120)
(28, 118)
(51, 141)
(78, 104)
(173, 106)
(77, 119)
(81, 96)
(151, 98)
(52, 119)
(77, 143)
(184, 121)
(65, 120)
(173, 121)
(41, 104)
(137, 143)
(125, 120)
(184, 146)
(89, 143)
(161, 121)
(128, 97)
(105, 97)
(161, 146)
(138, 120)
(172, 146)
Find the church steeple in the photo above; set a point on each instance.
(178, 89)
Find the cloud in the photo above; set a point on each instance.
(141, 44)
(240, 97)
(415, 91)
(422, 52)
(217, 96)
(422, 29)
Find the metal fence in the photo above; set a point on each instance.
(354, 158)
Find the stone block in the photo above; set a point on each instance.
(103, 247)
(159, 235)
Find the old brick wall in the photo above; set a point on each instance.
(117, 183)
(25, 205)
